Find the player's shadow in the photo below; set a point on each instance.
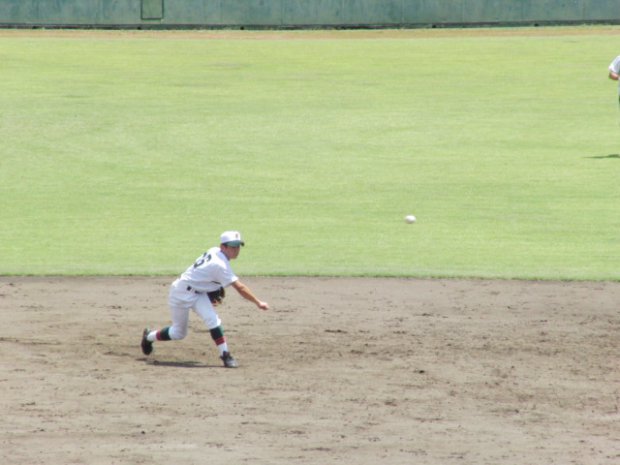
(601, 157)
(179, 364)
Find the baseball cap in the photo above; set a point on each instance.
(231, 238)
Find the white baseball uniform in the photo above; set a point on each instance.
(615, 68)
(211, 271)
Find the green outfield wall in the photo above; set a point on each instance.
(301, 13)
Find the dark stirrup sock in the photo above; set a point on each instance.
(218, 335)
(164, 334)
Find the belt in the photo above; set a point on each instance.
(190, 288)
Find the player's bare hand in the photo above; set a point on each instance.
(263, 305)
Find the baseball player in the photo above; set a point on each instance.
(201, 288)
(614, 73)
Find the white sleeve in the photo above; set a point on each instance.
(229, 278)
(226, 276)
(615, 65)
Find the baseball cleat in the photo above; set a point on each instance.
(147, 346)
(229, 361)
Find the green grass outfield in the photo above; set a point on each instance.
(129, 152)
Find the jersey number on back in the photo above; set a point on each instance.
(205, 258)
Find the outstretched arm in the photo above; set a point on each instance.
(247, 294)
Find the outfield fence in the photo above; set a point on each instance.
(302, 13)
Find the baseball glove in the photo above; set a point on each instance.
(217, 296)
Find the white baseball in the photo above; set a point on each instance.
(410, 219)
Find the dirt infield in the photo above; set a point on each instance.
(340, 371)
